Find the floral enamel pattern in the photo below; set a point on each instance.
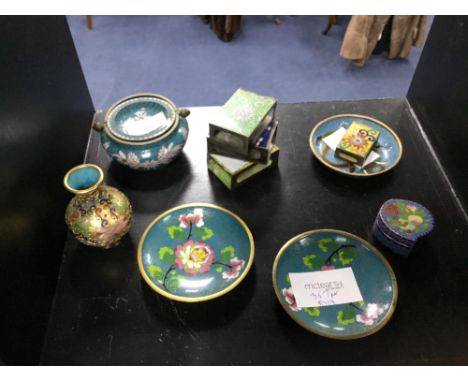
(192, 254)
(165, 155)
(332, 254)
(358, 139)
(407, 217)
(100, 218)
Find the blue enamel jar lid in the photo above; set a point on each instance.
(141, 118)
(405, 219)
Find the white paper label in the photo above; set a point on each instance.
(372, 157)
(333, 139)
(324, 288)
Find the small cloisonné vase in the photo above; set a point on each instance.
(98, 215)
(144, 131)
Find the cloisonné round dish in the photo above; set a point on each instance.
(195, 252)
(388, 146)
(325, 250)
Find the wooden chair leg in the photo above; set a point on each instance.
(89, 22)
(332, 20)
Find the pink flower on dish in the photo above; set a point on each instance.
(194, 257)
(290, 299)
(233, 272)
(371, 312)
(326, 267)
(192, 218)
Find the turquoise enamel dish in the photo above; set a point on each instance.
(144, 131)
(388, 146)
(195, 252)
(327, 249)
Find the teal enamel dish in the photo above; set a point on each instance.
(326, 249)
(144, 131)
(195, 252)
(388, 146)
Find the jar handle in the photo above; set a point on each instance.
(98, 120)
(183, 112)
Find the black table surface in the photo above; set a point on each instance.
(104, 313)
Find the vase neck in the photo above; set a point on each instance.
(84, 179)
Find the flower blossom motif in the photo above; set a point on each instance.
(110, 233)
(192, 218)
(357, 142)
(243, 113)
(194, 257)
(290, 299)
(130, 159)
(168, 153)
(370, 313)
(236, 266)
(326, 267)
(392, 211)
(415, 220)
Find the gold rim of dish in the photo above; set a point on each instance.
(203, 298)
(318, 156)
(376, 328)
(86, 190)
(112, 136)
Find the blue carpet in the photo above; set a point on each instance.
(181, 58)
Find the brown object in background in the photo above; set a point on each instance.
(89, 22)
(407, 31)
(225, 27)
(363, 32)
(332, 20)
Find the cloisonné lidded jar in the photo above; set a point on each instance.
(98, 215)
(144, 131)
(402, 224)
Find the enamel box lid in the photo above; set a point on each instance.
(141, 118)
(406, 219)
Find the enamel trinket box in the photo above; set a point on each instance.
(357, 143)
(234, 172)
(401, 224)
(239, 124)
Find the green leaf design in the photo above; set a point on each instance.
(176, 232)
(313, 261)
(323, 244)
(420, 213)
(156, 272)
(360, 303)
(174, 282)
(227, 254)
(346, 256)
(346, 317)
(288, 280)
(313, 312)
(166, 254)
(203, 233)
(403, 210)
(219, 269)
